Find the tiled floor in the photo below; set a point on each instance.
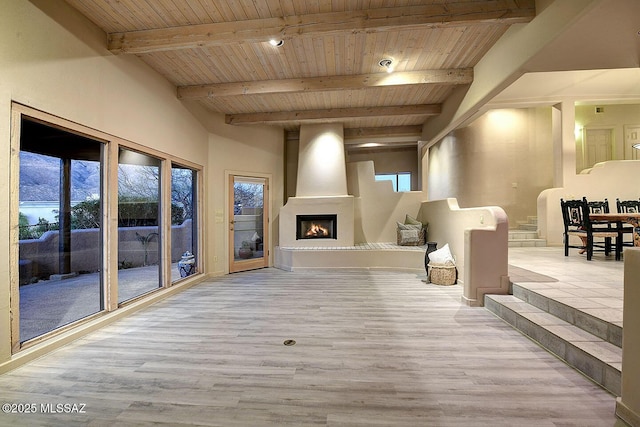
(373, 348)
(595, 287)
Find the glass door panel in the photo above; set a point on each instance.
(138, 224)
(60, 228)
(184, 243)
(248, 226)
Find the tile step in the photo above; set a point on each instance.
(599, 360)
(525, 238)
(527, 243)
(522, 234)
(607, 331)
(528, 227)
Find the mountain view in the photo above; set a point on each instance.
(40, 178)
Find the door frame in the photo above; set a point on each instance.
(612, 140)
(630, 153)
(228, 216)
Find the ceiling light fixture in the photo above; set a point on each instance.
(636, 146)
(276, 43)
(386, 63)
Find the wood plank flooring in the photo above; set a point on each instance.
(372, 349)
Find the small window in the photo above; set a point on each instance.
(401, 181)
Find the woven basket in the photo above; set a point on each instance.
(440, 274)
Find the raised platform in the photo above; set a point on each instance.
(378, 256)
(569, 306)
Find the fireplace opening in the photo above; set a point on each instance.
(316, 227)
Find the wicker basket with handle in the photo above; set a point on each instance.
(442, 274)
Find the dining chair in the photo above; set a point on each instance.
(601, 206)
(627, 206)
(575, 216)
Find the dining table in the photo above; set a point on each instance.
(632, 218)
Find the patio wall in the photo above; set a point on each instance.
(39, 257)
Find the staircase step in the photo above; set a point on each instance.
(599, 360)
(519, 238)
(538, 243)
(529, 227)
(607, 331)
(521, 234)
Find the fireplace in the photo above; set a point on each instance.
(316, 227)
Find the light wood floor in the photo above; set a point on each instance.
(372, 349)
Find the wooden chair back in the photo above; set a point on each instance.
(628, 206)
(575, 215)
(598, 206)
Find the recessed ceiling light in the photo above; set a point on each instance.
(386, 63)
(276, 43)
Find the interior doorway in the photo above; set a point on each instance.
(598, 146)
(248, 222)
(631, 137)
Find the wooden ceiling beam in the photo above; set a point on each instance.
(334, 114)
(387, 131)
(448, 76)
(356, 134)
(371, 20)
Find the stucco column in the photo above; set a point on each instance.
(564, 143)
(322, 167)
(628, 404)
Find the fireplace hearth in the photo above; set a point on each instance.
(316, 227)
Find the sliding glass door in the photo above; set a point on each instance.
(95, 224)
(60, 228)
(139, 238)
(184, 236)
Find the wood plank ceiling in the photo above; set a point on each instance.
(217, 53)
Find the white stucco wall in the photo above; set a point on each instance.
(377, 207)
(391, 160)
(321, 161)
(504, 158)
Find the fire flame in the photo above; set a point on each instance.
(316, 231)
